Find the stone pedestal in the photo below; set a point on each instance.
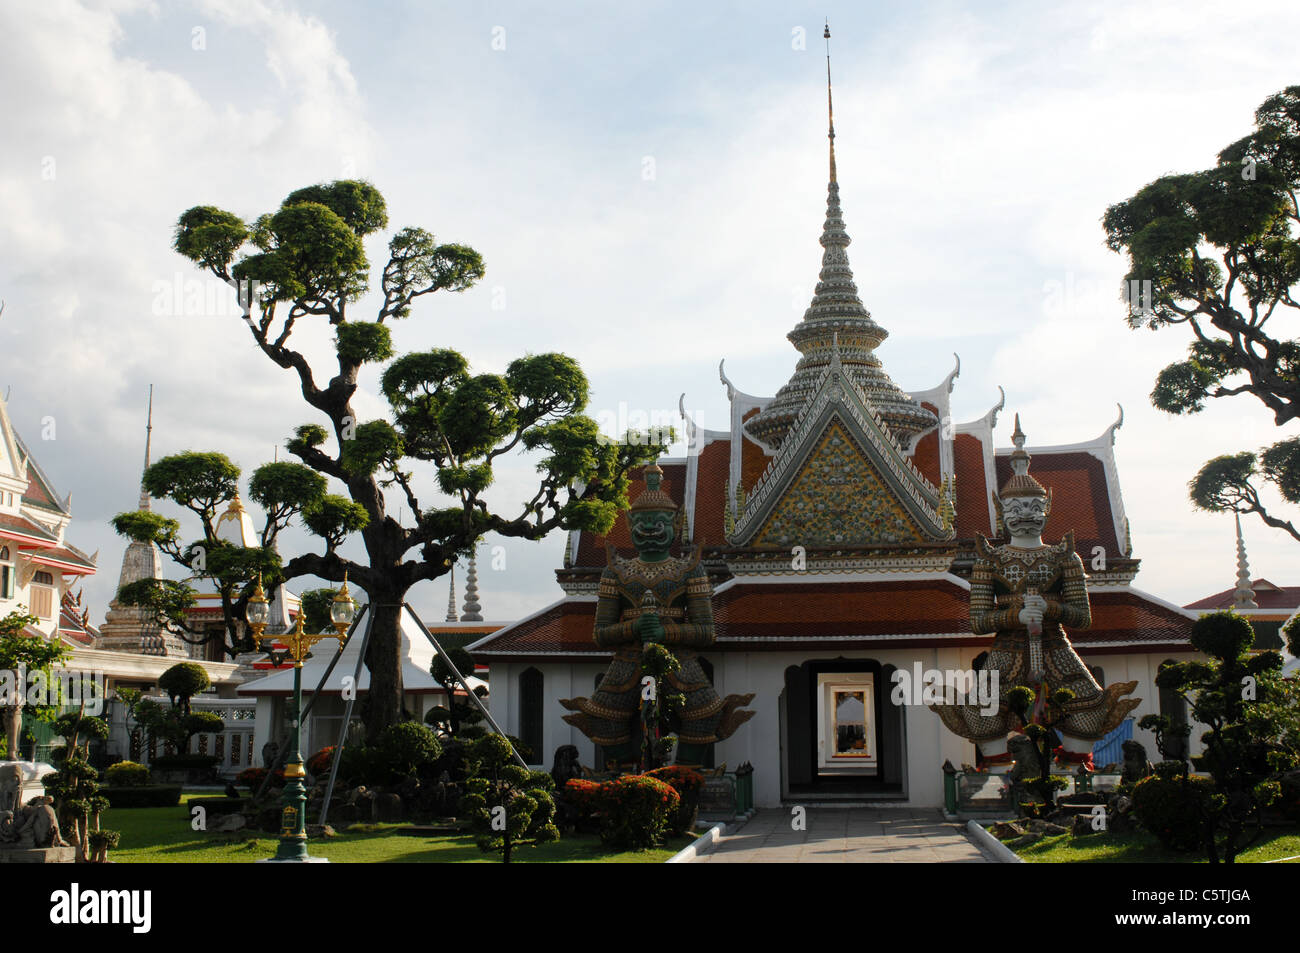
(718, 799)
(45, 855)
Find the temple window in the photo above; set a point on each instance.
(42, 596)
(531, 706)
(6, 574)
(846, 720)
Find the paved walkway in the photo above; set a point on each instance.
(847, 835)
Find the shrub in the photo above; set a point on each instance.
(182, 682)
(1174, 814)
(126, 774)
(252, 778)
(635, 811)
(584, 797)
(319, 764)
(407, 746)
(687, 783)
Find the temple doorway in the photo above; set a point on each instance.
(841, 737)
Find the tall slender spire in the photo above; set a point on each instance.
(472, 607)
(148, 442)
(836, 310)
(830, 107)
(1243, 597)
(451, 594)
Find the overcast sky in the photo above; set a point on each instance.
(646, 183)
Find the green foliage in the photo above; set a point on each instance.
(636, 811)
(1174, 809)
(182, 682)
(75, 785)
(199, 482)
(363, 342)
(209, 236)
(1253, 739)
(334, 518)
(508, 806)
(1220, 250)
(407, 746)
(285, 488)
(146, 526)
(126, 774)
(316, 605)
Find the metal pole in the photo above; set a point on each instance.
(461, 678)
(284, 738)
(347, 720)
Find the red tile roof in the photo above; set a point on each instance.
(1267, 596)
(785, 616)
(14, 527)
(972, 487)
(65, 559)
(561, 630)
(1080, 500)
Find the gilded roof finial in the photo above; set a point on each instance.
(830, 107)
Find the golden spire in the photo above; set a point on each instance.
(830, 107)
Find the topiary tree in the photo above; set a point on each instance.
(182, 682)
(75, 785)
(509, 806)
(302, 269)
(1218, 253)
(1039, 730)
(126, 774)
(204, 483)
(454, 714)
(408, 746)
(1253, 736)
(20, 651)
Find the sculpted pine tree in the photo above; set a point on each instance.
(1217, 252)
(305, 265)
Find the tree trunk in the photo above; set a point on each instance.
(384, 659)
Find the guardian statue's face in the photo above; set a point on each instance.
(1024, 515)
(651, 530)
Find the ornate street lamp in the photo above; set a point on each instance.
(293, 803)
(342, 609)
(257, 612)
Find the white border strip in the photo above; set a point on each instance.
(704, 842)
(1000, 851)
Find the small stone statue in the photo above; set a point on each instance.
(566, 766)
(11, 787)
(34, 826)
(1136, 766)
(270, 751)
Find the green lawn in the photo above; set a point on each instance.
(1141, 848)
(162, 835)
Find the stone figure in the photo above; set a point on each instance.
(34, 826)
(1022, 593)
(1136, 766)
(566, 766)
(11, 786)
(270, 751)
(654, 598)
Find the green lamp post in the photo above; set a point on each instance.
(298, 643)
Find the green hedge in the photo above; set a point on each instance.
(150, 795)
(217, 806)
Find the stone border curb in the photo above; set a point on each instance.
(986, 841)
(702, 843)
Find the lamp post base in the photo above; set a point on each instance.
(304, 860)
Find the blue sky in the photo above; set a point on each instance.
(978, 147)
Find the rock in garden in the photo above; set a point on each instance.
(320, 831)
(230, 823)
(1004, 829)
(1024, 841)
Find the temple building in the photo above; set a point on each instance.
(837, 520)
